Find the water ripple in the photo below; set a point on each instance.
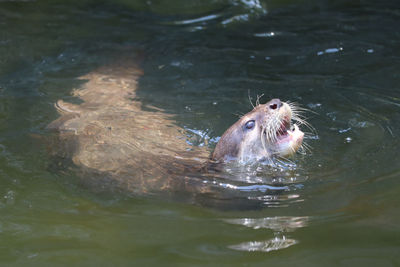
(197, 20)
(276, 243)
(278, 224)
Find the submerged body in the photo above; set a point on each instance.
(120, 145)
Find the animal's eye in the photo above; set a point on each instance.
(250, 124)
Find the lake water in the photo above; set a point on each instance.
(203, 61)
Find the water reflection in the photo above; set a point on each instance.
(277, 224)
(233, 12)
(255, 185)
(265, 246)
(280, 225)
(339, 58)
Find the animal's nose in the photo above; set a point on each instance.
(274, 104)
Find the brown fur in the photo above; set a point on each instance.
(119, 145)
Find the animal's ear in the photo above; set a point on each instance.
(229, 144)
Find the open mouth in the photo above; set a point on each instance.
(287, 137)
(284, 129)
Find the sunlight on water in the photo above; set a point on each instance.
(335, 203)
(276, 243)
(279, 225)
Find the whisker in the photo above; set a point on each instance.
(284, 161)
(307, 147)
(258, 99)
(239, 114)
(304, 150)
(248, 95)
(263, 140)
(299, 115)
(296, 107)
(305, 123)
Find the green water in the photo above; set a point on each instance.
(203, 59)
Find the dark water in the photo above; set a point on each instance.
(340, 59)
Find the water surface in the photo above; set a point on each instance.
(203, 60)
